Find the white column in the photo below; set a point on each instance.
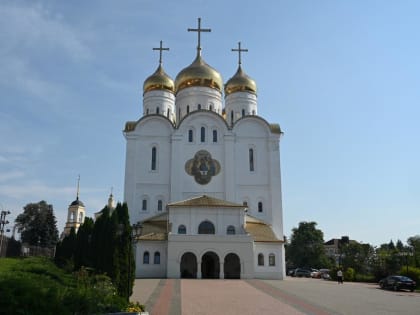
(199, 270)
(222, 271)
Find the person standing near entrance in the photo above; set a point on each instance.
(339, 276)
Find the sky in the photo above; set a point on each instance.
(341, 78)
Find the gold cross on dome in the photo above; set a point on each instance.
(239, 50)
(199, 30)
(160, 51)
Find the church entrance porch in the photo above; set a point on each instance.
(188, 266)
(210, 266)
(232, 266)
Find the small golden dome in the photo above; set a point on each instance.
(199, 73)
(240, 82)
(159, 81)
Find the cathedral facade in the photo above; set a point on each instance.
(202, 177)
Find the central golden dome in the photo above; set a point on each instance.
(199, 73)
(240, 82)
(159, 81)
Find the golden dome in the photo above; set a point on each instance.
(159, 81)
(240, 82)
(199, 73)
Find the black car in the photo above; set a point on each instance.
(300, 272)
(398, 282)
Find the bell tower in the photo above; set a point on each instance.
(75, 213)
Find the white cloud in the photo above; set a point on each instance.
(6, 176)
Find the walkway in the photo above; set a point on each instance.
(229, 297)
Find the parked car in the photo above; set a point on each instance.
(300, 272)
(397, 283)
(324, 274)
(315, 273)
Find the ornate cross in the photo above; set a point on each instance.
(160, 51)
(239, 50)
(199, 30)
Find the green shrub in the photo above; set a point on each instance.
(413, 273)
(349, 274)
(364, 278)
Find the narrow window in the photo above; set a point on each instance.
(157, 110)
(199, 106)
(231, 117)
(253, 112)
(144, 205)
(203, 134)
(146, 258)
(156, 258)
(230, 230)
(147, 111)
(160, 205)
(260, 260)
(214, 135)
(188, 109)
(243, 112)
(271, 260)
(154, 159)
(251, 160)
(167, 113)
(211, 107)
(179, 113)
(182, 229)
(80, 217)
(260, 207)
(245, 203)
(190, 136)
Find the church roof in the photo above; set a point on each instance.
(205, 202)
(77, 202)
(155, 228)
(259, 230)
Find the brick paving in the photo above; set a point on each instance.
(228, 297)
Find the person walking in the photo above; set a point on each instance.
(339, 276)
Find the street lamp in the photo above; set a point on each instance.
(3, 222)
(136, 230)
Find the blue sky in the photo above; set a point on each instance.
(340, 77)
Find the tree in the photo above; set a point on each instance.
(83, 255)
(38, 225)
(64, 254)
(306, 248)
(414, 242)
(357, 256)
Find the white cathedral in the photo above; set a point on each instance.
(202, 177)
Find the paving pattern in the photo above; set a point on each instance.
(228, 297)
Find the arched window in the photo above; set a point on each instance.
(231, 117)
(190, 136)
(167, 113)
(253, 112)
(157, 110)
(260, 260)
(271, 260)
(211, 107)
(156, 258)
(144, 205)
(206, 227)
(160, 206)
(81, 217)
(230, 230)
(243, 112)
(203, 134)
(251, 160)
(146, 257)
(199, 106)
(214, 135)
(188, 109)
(260, 206)
(147, 111)
(154, 159)
(245, 203)
(182, 229)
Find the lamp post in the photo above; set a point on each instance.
(3, 222)
(136, 230)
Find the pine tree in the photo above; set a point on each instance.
(83, 255)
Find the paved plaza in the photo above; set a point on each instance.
(291, 296)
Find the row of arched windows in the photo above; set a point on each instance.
(146, 258)
(168, 111)
(145, 204)
(260, 205)
(243, 114)
(202, 135)
(271, 259)
(206, 227)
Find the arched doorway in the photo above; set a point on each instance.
(188, 267)
(232, 266)
(210, 266)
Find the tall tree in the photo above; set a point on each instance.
(414, 242)
(306, 248)
(38, 225)
(64, 254)
(83, 255)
